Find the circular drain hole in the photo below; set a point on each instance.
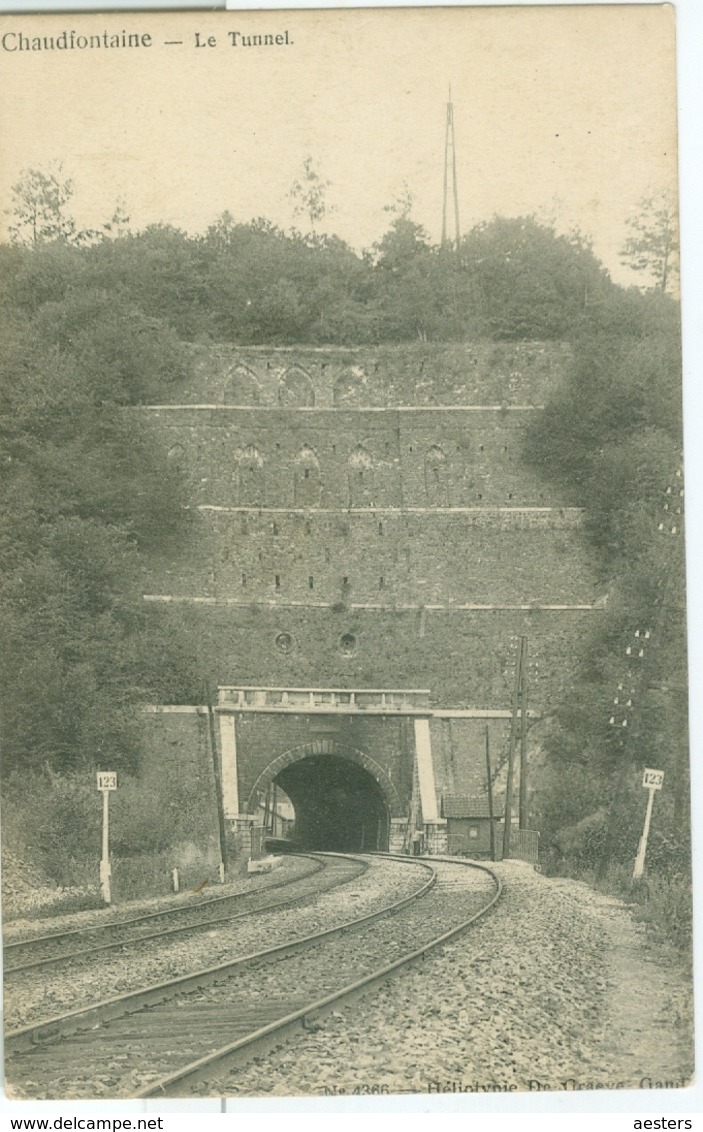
(347, 644)
(284, 642)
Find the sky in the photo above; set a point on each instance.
(567, 113)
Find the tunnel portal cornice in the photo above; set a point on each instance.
(345, 701)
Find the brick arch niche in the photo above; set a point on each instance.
(361, 478)
(349, 386)
(177, 456)
(241, 386)
(250, 477)
(295, 389)
(307, 478)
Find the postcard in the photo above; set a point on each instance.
(343, 608)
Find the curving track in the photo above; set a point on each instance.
(173, 1038)
(87, 942)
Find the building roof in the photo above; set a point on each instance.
(467, 806)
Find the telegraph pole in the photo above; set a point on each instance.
(221, 825)
(450, 166)
(522, 821)
(516, 704)
(489, 780)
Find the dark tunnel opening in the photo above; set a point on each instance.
(338, 805)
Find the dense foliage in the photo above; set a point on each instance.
(83, 494)
(253, 283)
(612, 437)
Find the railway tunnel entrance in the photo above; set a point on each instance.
(343, 759)
(338, 804)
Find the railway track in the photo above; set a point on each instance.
(85, 943)
(172, 1039)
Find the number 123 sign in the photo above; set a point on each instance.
(653, 779)
(107, 780)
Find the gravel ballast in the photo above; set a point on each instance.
(39, 994)
(136, 1048)
(19, 929)
(557, 989)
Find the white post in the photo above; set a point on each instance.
(176, 879)
(425, 770)
(105, 870)
(642, 850)
(228, 748)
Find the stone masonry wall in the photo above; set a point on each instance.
(476, 373)
(344, 459)
(381, 558)
(348, 510)
(465, 657)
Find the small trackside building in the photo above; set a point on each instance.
(469, 826)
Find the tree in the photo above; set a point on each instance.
(402, 204)
(531, 282)
(610, 438)
(310, 194)
(40, 209)
(131, 357)
(653, 243)
(42, 215)
(402, 244)
(86, 499)
(161, 270)
(118, 224)
(220, 235)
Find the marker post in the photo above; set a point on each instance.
(653, 780)
(107, 781)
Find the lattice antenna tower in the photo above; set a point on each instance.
(450, 168)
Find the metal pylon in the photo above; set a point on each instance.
(450, 161)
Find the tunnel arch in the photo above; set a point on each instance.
(343, 799)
